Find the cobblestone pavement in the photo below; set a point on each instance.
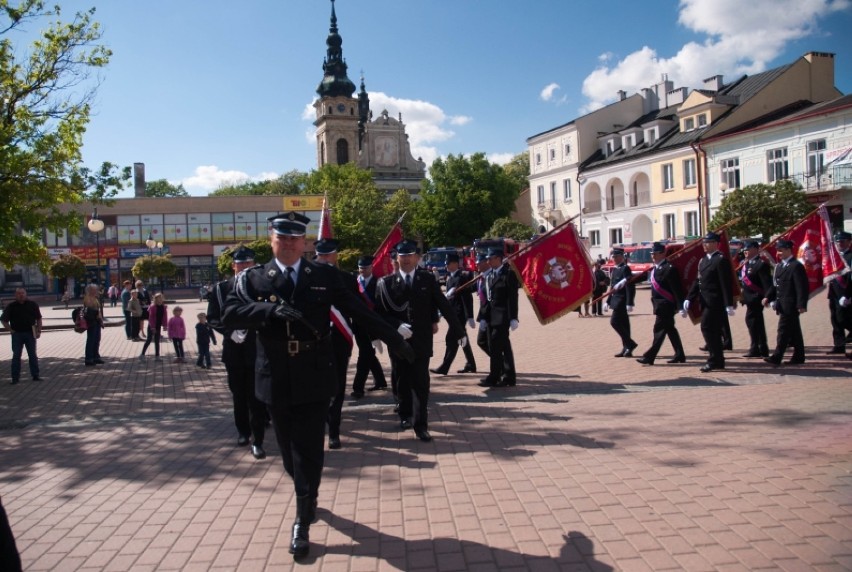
(590, 463)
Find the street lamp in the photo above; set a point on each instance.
(96, 225)
(150, 242)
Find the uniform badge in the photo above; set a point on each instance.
(292, 216)
(273, 298)
(271, 273)
(307, 270)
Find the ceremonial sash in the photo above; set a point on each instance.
(341, 324)
(660, 290)
(364, 294)
(748, 283)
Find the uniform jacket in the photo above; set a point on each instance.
(283, 376)
(601, 282)
(501, 288)
(713, 283)
(462, 300)
(841, 286)
(233, 352)
(626, 295)
(417, 306)
(667, 278)
(756, 279)
(789, 288)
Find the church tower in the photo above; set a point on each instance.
(347, 132)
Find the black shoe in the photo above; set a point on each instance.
(37, 378)
(836, 351)
(702, 349)
(438, 371)
(508, 382)
(467, 369)
(242, 441)
(795, 361)
(627, 353)
(487, 382)
(99, 361)
(396, 407)
(645, 361)
(621, 353)
(377, 388)
(405, 425)
(728, 348)
(423, 435)
(752, 354)
(357, 394)
(710, 367)
(677, 359)
(257, 452)
(334, 443)
(774, 360)
(13, 382)
(633, 345)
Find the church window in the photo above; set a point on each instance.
(342, 151)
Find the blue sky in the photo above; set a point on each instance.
(206, 92)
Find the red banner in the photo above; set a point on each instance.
(556, 273)
(325, 221)
(89, 254)
(381, 259)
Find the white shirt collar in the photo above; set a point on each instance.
(295, 266)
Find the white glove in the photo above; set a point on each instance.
(513, 325)
(483, 325)
(686, 305)
(239, 336)
(620, 284)
(377, 344)
(606, 307)
(772, 304)
(463, 342)
(450, 292)
(405, 331)
(844, 301)
(683, 313)
(629, 308)
(471, 323)
(731, 310)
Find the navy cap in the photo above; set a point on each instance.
(289, 223)
(617, 252)
(784, 243)
(365, 261)
(453, 257)
(242, 254)
(752, 244)
(407, 247)
(658, 247)
(712, 237)
(494, 252)
(842, 235)
(326, 246)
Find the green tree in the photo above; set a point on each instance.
(68, 266)
(154, 266)
(290, 183)
(518, 169)
(508, 228)
(163, 188)
(462, 200)
(45, 98)
(763, 210)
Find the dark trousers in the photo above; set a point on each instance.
(249, 411)
(367, 363)
(664, 325)
(620, 322)
(482, 340)
(453, 350)
(129, 330)
(790, 334)
(178, 345)
(93, 342)
(756, 328)
(342, 353)
(841, 323)
(21, 340)
(501, 359)
(203, 355)
(300, 430)
(597, 307)
(153, 336)
(10, 560)
(413, 385)
(712, 329)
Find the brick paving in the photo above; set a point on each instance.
(591, 463)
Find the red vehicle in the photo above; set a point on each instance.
(483, 245)
(638, 256)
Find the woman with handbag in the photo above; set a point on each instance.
(158, 317)
(94, 324)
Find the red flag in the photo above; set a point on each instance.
(556, 273)
(381, 259)
(325, 221)
(814, 248)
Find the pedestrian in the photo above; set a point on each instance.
(145, 300)
(501, 316)
(204, 336)
(461, 300)
(666, 299)
(134, 310)
(125, 300)
(94, 325)
(22, 317)
(113, 295)
(157, 321)
(840, 298)
(788, 295)
(367, 362)
(713, 287)
(620, 301)
(601, 283)
(176, 329)
(755, 280)
(239, 350)
(288, 303)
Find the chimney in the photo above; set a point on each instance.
(139, 179)
(676, 96)
(713, 83)
(622, 95)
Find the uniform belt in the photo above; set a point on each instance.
(295, 347)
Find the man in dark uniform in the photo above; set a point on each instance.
(462, 302)
(620, 301)
(713, 285)
(239, 350)
(501, 314)
(23, 318)
(482, 332)
(756, 279)
(840, 298)
(666, 298)
(367, 360)
(288, 302)
(410, 300)
(789, 296)
(601, 282)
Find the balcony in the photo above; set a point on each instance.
(832, 178)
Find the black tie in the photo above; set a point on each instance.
(408, 281)
(288, 284)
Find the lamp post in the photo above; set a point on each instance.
(96, 225)
(162, 282)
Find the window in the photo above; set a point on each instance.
(540, 194)
(538, 158)
(595, 237)
(691, 223)
(553, 154)
(615, 236)
(669, 226)
(552, 195)
(610, 147)
(342, 151)
(689, 176)
(702, 120)
(566, 190)
(651, 135)
(776, 162)
(688, 124)
(816, 157)
(731, 173)
(567, 149)
(668, 177)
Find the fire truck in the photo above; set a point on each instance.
(483, 245)
(638, 256)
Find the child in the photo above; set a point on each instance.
(177, 332)
(134, 306)
(204, 335)
(158, 316)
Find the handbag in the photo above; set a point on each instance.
(80, 323)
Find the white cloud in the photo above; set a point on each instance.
(546, 94)
(210, 178)
(460, 120)
(739, 38)
(500, 158)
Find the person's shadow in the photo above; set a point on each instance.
(577, 554)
